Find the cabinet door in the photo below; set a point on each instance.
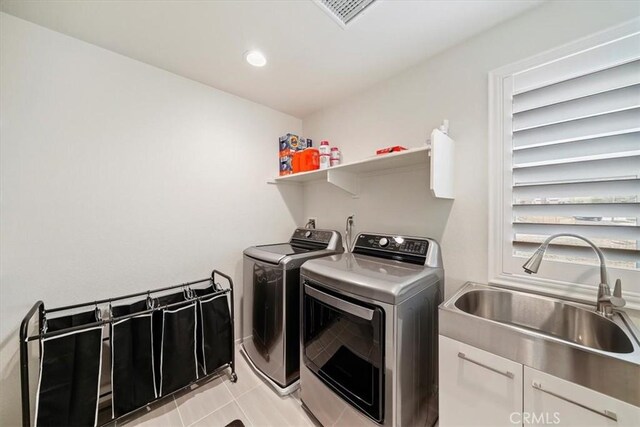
(551, 400)
(477, 388)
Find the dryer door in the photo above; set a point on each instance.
(343, 345)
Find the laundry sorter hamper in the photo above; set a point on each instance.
(151, 343)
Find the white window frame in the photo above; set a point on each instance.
(582, 280)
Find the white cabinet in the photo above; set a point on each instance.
(551, 400)
(477, 388)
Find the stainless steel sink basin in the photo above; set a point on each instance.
(567, 339)
(547, 316)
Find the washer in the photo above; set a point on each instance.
(369, 344)
(271, 303)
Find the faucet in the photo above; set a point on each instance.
(605, 300)
(348, 232)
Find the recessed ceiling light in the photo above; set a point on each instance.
(255, 58)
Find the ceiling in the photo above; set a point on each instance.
(312, 61)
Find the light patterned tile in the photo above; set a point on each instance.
(313, 421)
(202, 399)
(212, 404)
(247, 379)
(223, 416)
(161, 414)
(265, 408)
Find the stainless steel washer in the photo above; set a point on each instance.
(271, 302)
(369, 344)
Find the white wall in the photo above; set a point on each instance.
(404, 110)
(119, 177)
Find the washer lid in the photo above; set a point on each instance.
(286, 249)
(379, 279)
(275, 253)
(304, 243)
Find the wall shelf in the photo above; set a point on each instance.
(439, 154)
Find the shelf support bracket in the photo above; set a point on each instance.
(441, 165)
(345, 180)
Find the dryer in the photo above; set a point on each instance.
(369, 342)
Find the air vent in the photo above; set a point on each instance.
(343, 11)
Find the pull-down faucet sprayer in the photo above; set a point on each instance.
(605, 301)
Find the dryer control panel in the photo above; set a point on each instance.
(409, 249)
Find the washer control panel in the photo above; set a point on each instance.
(312, 235)
(398, 245)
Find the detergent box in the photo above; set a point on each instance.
(288, 144)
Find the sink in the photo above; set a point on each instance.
(563, 338)
(547, 316)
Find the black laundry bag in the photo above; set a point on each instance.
(174, 330)
(133, 381)
(214, 330)
(69, 381)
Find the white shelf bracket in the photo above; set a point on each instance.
(345, 180)
(441, 165)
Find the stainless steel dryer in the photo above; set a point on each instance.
(271, 303)
(369, 344)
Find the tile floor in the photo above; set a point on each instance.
(218, 401)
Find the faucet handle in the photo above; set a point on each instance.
(616, 299)
(605, 296)
(617, 289)
(617, 302)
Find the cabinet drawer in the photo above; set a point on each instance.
(477, 388)
(551, 400)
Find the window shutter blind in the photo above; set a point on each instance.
(575, 154)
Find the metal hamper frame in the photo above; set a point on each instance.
(39, 307)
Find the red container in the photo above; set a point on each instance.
(306, 160)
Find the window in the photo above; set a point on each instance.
(565, 158)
